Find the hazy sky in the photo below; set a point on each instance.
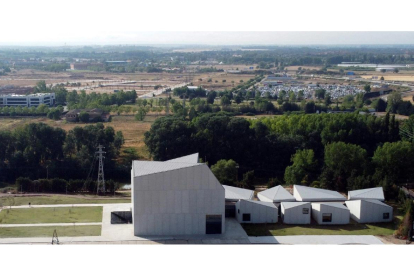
(221, 38)
(92, 22)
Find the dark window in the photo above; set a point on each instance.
(326, 217)
(238, 211)
(246, 217)
(305, 211)
(386, 215)
(213, 224)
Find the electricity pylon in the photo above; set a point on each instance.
(101, 179)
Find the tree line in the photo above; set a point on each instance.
(38, 151)
(340, 151)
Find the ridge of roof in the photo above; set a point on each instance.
(267, 204)
(237, 193)
(277, 193)
(142, 168)
(288, 205)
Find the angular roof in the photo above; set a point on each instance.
(303, 193)
(277, 194)
(267, 204)
(234, 193)
(373, 201)
(333, 204)
(288, 205)
(151, 167)
(371, 193)
(192, 158)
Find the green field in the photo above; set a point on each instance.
(60, 199)
(51, 215)
(279, 229)
(47, 231)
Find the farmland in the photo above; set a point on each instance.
(51, 199)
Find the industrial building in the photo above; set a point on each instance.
(309, 194)
(176, 197)
(27, 100)
(371, 193)
(250, 211)
(275, 194)
(95, 115)
(296, 212)
(369, 211)
(330, 213)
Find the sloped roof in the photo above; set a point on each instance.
(234, 193)
(373, 201)
(150, 167)
(192, 158)
(371, 193)
(288, 205)
(303, 193)
(267, 204)
(333, 204)
(277, 194)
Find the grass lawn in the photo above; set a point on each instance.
(60, 199)
(47, 231)
(51, 215)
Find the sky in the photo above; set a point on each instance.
(212, 22)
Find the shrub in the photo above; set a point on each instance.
(24, 184)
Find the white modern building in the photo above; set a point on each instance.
(330, 213)
(27, 100)
(372, 193)
(275, 194)
(176, 197)
(235, 194)
(250, 211)
(296, 212)
(369, 211)
(309, 194)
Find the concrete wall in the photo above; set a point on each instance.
(367, 212)
(259, 213)
(294, 215)
(176, 202)
(339, 215)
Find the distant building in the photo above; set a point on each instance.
(369, 211)
(371, 193)
(304, 193)
(85, 66)
(27, 100)
(95, 115)
(296, 212)
(192, 87)
(275, 194)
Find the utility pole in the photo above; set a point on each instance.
(101, 179)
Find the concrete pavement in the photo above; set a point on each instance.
(310, 239)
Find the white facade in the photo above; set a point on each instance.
(372, 193)
(27, 100)
(275, 194)
(330, 213)
(235, 194)
(309, 194)
(296, 212)
(369, 211)
(176, 199)
(250, 211)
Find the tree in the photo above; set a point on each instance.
(225, 101)
(394, 161)
(304, 167)
(396, 70)
(84, 117)
(382, 78)
(141, 114)
(341, 161)
(320, 93)
(211, 96)
(248, 180)
(367, 88)
(192, 114)
(225, 171)
(393, 101)
(328, 99)
(380, 105)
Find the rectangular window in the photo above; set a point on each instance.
(246, 217)
(326, 217)
(386, 215)
(213, 224)
(305, 211)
